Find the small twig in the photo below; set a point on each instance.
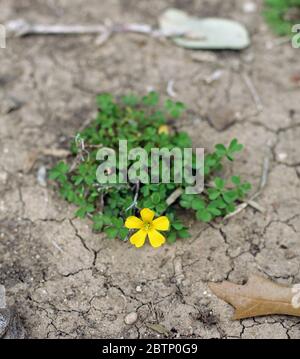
(170, 89)
(178, 270)
(243, 205)
(238, 210)
(74, 164)
(133, 205)
(262, 185)
(254, 93)
(277, 42)
(55, 152)
(93, 146)
(174, 196)
(84, 125)
(79, 141)
(21, 27)
(57, 246)
(265, 173)
(52, 152)
(101, 202)
(101, 39)
(256, 206)
(216, 75)
(135, 199)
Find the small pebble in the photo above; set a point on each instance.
(3, 177)
(9, 104)
(282, 156)
(138, 288)
(249, 7)
(216, 75)
(41, 176)
(131, 318)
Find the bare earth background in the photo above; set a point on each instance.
(67, 281)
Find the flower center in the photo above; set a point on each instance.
(147, 226)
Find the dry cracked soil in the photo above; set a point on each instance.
(67, 282)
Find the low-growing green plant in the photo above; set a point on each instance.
(281, 15)
(143, 123)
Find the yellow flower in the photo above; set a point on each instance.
(163, 129)
(147, 227)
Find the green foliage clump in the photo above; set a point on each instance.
(139, 120)
(281, 15)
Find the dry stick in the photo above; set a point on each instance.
(254, 93)
(136, 196)
(53, 152)
(84, 125)
(173, 196)
(265, 172)
(170, 89)
(277, 42)
(251, 202)
(21, 27)
(255, 205)
(81, 149)
(57, 246)
(133, 205)
(262, 184)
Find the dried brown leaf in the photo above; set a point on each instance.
(259, 296)
(159, 328)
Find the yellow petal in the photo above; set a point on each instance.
(156, 239)
(133, 222)
(138, 238)
(161, 223)
(147, 215)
